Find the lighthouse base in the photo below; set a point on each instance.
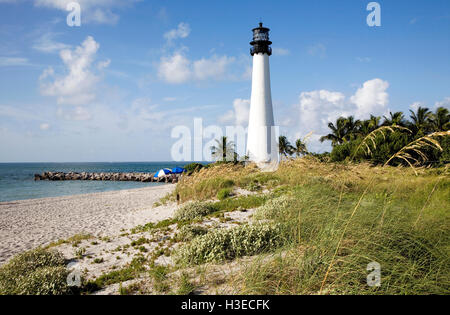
(262, 147)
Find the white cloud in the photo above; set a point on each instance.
(44, 126)
(103, 64)
(214, 68)
(415, 106)
(444, 103)
(371, 98)
(178, 69)
(13, 61)
(78, 85)
(77, 113)
(175, 69)
(239, 114)
(318, 108)
(278, 51)
(96, 11)
(182, 31)
(47, 44)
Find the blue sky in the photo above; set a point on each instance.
(113, 89)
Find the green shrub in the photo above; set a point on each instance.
(224, 193)
(189, 232)
(227, 244)
(273, 208)
(40, 271)
(193, 210)
(44, 281)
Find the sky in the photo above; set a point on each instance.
(115, 87)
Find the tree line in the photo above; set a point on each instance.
(422, 138)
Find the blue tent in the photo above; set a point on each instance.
(178, 170)
(163, 172)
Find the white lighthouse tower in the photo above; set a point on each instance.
(262, 147)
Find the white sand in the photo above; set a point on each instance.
(27, 224)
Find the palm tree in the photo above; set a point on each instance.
(284, 146)
(351, 128)
(421, 120)
(338, 132)
(224, 150)
(367, 126)
(300, 148)
(440, 120)
(395, 119)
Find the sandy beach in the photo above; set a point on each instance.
(27, 224)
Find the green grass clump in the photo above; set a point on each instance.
(185, 287)
(74, 240)
(36, 272)
(224, 193)
(226, 244)
(139, 242)
(193, 210)
(159, 277)
(129, 272)
(241, 202)
(153, 226)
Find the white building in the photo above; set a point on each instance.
(262, 145)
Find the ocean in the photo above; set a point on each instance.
(17, 179)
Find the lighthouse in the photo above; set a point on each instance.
(262, 147)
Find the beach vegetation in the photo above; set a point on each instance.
(132, 288)
(73, 240)
(188, 232)
(393, 140)
(185, 286)
(36, 272)
(131, 271)
(193, 210)
(227, 244)
(193, 167)
(98, 260)
(335, 219)
(80, 252)
(160, 280)
(224, 193)
(139, 242)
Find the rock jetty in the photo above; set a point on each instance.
(124, 177)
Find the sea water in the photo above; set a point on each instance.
(17, 179)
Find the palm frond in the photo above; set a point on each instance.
(371, 137)
(417, 146)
